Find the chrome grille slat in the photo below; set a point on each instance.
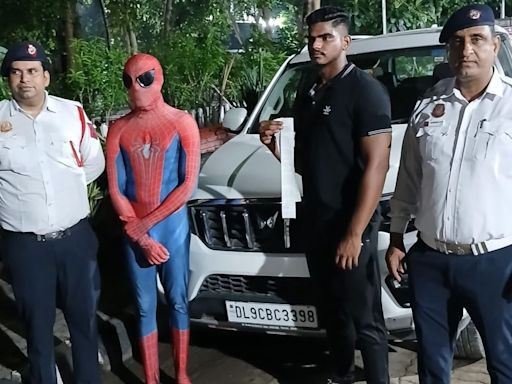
(287, 233)
(248, 231)
(206, 228)
(225, 228)
(248, 226)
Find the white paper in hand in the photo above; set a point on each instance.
(290, 193)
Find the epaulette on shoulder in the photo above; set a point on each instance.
(438, 89)
(441, 88)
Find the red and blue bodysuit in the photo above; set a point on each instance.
(153, 161)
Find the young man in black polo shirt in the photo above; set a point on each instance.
(343, 136)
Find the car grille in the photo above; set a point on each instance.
(254, 225)
(245, 225)
(286, 289)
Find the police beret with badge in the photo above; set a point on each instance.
(473, 15)
(25, 51)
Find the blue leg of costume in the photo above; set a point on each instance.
(174, 234)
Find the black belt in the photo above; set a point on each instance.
(56, 235)
(53, 235)
(465, 249)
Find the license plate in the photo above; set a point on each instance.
(269, 314)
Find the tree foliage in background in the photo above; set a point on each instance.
(197, 67)
(31, 19)
(401, 14)
(194, 57)
(4, 89)
(254, 69)
(96, 77)
(188, 37)
(133, 22)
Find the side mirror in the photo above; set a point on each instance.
(234, 118)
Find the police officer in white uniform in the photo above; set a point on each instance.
(455, 178)
(48, 154)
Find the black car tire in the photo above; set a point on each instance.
(469, 344)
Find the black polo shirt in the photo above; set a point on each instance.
(331, 120)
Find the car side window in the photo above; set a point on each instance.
(282, 99)
(505, 55)
(413, 66)
(406, 73)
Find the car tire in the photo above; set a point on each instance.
(469, 344)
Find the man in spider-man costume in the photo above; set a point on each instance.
(152, 164)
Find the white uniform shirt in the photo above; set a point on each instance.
(455, 173)
(42, 187)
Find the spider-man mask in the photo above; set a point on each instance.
(143, 78)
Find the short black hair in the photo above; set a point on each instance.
(329, 13)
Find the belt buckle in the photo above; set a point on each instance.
(53, 235)
(442, 246)
(458, 249)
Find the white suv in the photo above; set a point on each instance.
(242, 274)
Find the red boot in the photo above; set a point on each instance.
(180, 340)
(149, 354)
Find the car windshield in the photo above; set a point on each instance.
(405, 73)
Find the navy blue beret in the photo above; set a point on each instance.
(466, 17)
(23, 52)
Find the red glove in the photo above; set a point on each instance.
(155, 252)
(136, 228)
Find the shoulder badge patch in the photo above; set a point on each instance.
(5, 126)
(438, 110)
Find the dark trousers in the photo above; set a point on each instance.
(41, 270)
(441, 286)
(351, 309)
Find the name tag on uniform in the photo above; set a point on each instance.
(434, 123)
